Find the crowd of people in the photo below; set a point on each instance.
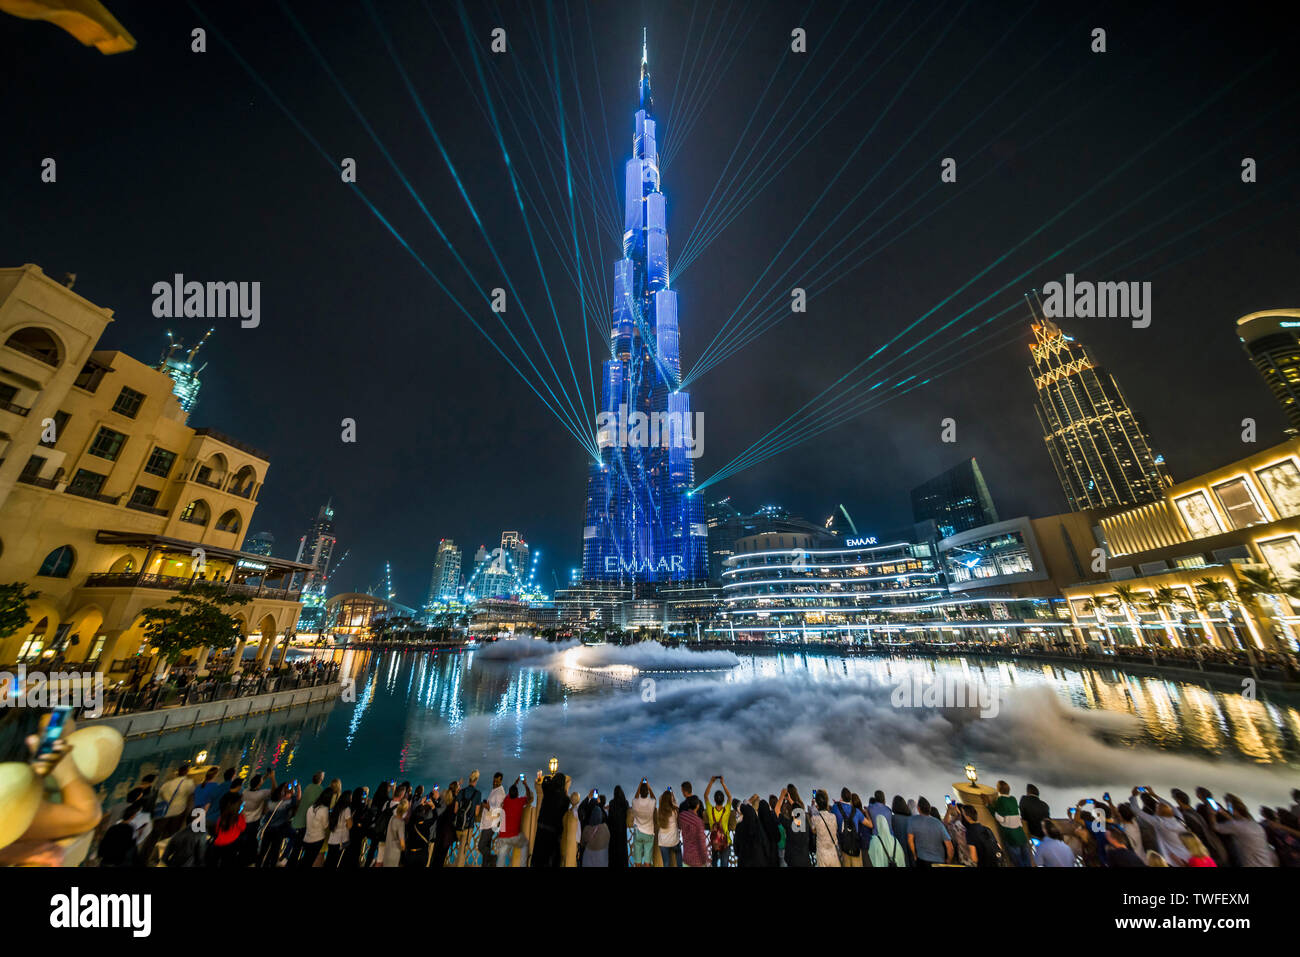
(224, 820)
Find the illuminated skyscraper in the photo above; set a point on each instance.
(1101, 452)
(446, 572)
(644, 522)
(184, 376)
(1270, 339)
(315, 549)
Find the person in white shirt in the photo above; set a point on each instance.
(643, 824)
(318, 828)
(670, 838)
(1167, 823)
(256, 796)
(341, 826)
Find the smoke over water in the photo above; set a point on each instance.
(826, 730)
(643, 656)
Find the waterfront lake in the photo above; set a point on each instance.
(765, 719)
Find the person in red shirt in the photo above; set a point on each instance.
(228, 839)
(1197, 854)
(511, 835)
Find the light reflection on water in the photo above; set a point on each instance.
(422, 716)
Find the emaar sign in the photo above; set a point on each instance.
(857, 542)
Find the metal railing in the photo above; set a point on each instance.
(203, 691)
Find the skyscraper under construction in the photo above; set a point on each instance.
(1102, 454)
(644, 522)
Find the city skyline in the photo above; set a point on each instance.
(290, 389)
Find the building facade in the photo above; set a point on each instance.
(1098, 446)
(316, 549)
(955, 500)
(1208, 564)
(109, 501)
(643, 521)
(446, 573)
(1272, 340)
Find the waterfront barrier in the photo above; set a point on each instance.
(141, 723)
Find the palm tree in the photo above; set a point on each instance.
(1215, 591)
(1099, 605)
(1255, 585)
(1127, 599)
(1166, 599)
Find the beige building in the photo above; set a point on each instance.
(109, 500)
(1237, 526)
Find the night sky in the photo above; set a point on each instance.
(172, 161)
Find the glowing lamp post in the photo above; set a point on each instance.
(554, 764)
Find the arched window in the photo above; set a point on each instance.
(58, 563)
(229, 522)
(197, 512)
(37, 343)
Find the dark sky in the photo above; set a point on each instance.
(171, 161)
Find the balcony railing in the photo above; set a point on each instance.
(87, 493)
(210, 483)
(15, 409)
(176, 583)
(141, 507)
(38, 481)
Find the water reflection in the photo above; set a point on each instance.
(422, 715)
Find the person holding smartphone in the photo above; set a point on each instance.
(79, 810)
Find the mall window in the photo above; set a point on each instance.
(1198, 515)
(160, 462)
(1238, 501)
(1282, 483)
(108, 444)
(128, 402)
(58, 563)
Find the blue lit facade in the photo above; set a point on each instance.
(643, 522)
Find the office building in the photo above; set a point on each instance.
(1272, 341)
(955, 500)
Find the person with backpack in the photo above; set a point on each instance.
(171, 810)
(794, 821)
(469, 811)
(823, 826)
(447, 825)
(362, 825)
(980, 841)
(885, 850)
(847, 819)
(720, 821)
(277, 826)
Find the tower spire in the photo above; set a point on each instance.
(647, 102)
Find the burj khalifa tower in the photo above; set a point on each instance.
(643, 521)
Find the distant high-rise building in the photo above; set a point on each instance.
(446, 572)
(315, 549)
(1272, 340)
(955, 500)
(184, 376)
(261, 543)
(1102, 454)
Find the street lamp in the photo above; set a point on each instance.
(971, 774)
(554, 765)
